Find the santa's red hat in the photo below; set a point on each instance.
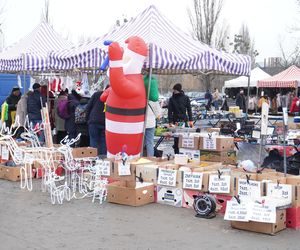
(137, 45)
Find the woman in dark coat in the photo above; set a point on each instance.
(74, 100)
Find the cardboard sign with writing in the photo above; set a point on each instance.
(104, 168)
(192, 180)
(281, 191)
(251, 189)
(188, 142)
(167, 177)
(209, 143)
(236, 211)
(124, 169)
(4, 153)
(219, 185)
(262, 212)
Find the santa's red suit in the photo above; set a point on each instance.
(126, 98)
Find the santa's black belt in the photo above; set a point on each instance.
(126, 112)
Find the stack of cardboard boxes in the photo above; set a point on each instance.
(293, 213)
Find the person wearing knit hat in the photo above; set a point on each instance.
(35, 102)
(36, 86)
(179, 111)
(12, 102)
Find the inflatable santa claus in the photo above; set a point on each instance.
(126, 98)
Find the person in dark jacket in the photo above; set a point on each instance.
(12, 101)
(241, 101)
(179, 111)
(82, 128)
(74, 99)
(208, 97)
(35, 102)
(96, 122)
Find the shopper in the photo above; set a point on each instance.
(96, 123)
(81, 121)
(61, 114)
(216, 98)
(73, 102)
(252, 104)
(35, 102)
(22, 113)
(179, 111)
(208, 97)
(241, 101)
(12, 102)
(263, 99)
(153, 112)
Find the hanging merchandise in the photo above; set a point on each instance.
(205, 206)
(55, 84)
(126, 103)
(32, 81)
(19, 82)
(85, 89)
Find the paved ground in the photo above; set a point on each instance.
(29, 221)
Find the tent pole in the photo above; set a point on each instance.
(148, 93)
(256, 99)
(248, 96)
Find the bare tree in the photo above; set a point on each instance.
(292, 58)
(204, 19)
(45, 12)
(243, 44)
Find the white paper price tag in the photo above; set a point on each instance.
(18, 154)
(209, 143)
(262, 212)
(192, 180)
(281, 191)
(104, 168)
(124, 169)
(167, 177)
(249, 189)
(236, 211)
(188, 142)
(4, 153)
(219, 185)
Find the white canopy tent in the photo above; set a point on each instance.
(242, 81)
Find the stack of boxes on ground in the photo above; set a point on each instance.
(265, 202)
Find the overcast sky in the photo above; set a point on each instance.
(268, 20)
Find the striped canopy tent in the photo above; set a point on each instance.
(32, 52)
(170, 49)
(289, 78)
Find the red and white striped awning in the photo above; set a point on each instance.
(288, 78)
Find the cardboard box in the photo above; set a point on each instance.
(169, 196)
(130, 176)
(148, 173)
(10, 173)
(225, 157)
(293, 180)
(260, 227)
(205, 179)
(119, 192)
(190, 141)
(213, 130)
(84, 152)
(272, 176)
(193, 155)
(217, 143)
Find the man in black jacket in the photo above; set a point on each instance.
(179, 111)
(35, 102)
(12, 101)
(241, 100)
(96, 121)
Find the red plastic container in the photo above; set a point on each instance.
(293, 217)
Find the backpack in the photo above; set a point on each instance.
(62, 108)
(80, 114)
